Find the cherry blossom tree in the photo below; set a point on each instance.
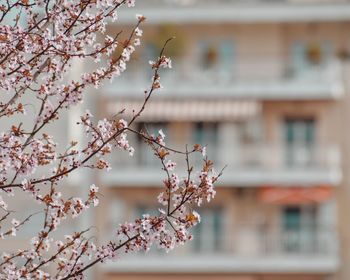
(39, 40)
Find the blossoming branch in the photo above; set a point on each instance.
(40, 41)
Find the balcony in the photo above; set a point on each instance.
(264, 80)
(247, 249)
(239, 11)
(248, 166)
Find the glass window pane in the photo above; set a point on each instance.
(292, 218)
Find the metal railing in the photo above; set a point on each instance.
(304, 241)
(274, 157)
(245, 242)
(192, 75)
(247, 157)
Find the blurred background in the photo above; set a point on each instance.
(265, 85)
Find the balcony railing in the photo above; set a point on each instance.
(287, 157)
(248, 157)
(271, 69)
(244, 80)
(252, 166)
(257, 241)
(253, 242)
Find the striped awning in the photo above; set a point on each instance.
(295, 195)
(188, 110)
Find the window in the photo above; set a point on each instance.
(291, 229)
(292, 218)
(299, 228)
(299, 138)
(226, 58)
(208, 234)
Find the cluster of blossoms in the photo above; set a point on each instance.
(14, 157)
(171, 227)
(40, 41)
(103, 138)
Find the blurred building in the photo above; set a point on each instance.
(263, 83)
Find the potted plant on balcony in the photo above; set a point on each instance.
(314, 53)
(211, 56)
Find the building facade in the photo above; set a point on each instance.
(264, 84)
